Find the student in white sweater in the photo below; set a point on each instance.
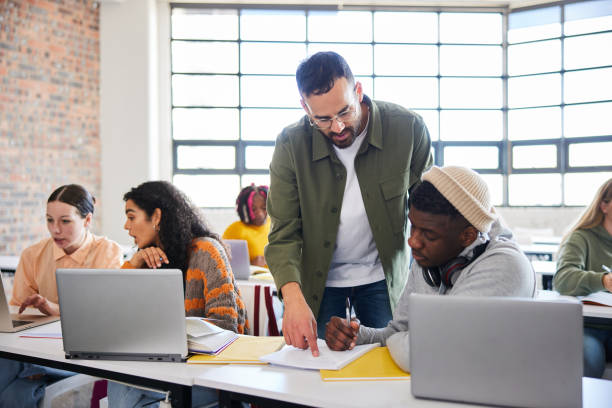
(459, 247)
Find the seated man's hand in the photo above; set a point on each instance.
(339, 336)
(41, 303)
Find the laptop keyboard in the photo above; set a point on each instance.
(17, 323)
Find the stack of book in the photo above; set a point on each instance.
(204, 337)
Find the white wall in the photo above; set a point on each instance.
(134, 136)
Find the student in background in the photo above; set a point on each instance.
(254, 224)
(69, 215)
(460, 248)
(170, 233)
(584, 254)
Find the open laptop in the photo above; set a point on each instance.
(123, 314)
(13, 322)
(240, 260)
(496, 351)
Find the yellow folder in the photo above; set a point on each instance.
(245, 350)
(375, 365)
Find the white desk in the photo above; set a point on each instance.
(174, 377)
(546, 270)
(305, 387)
(267, 385)
(8, 263)
(540, 252)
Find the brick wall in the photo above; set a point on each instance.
(49, 110)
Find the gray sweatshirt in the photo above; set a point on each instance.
(501, 270)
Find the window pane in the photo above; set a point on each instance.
(495, 182)
(209, 90)
(265, 25)
(592, 119)
(470, 60)
(471, 93)
(206, 157)
(471, 125)
(269, 91)
(366, 84)
(209, 190)
(534, 24)
(212, 24)
(357, 56)
(537, 90)
(590, 154)
(534, 189)
(405, 27)
(257, 179)
(580, 188)
(205, 124)
(431, 121)
(584, 52)
(589, 85)
(588, 17)
(405, 59)
(531, 124)
(195, 57)
(265, 58)
(475, 28)
(534, 157)
(535, 57)
(258, 157)
(409, 92)
(332, 26)
(480, 157)
(266, 124)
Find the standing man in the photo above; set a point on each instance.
(340, 179)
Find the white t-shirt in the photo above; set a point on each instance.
(355, 260)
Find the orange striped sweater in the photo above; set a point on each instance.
(210, 287)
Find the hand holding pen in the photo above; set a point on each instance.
(341, 334)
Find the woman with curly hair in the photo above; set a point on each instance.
(170, 233)
(254, 224)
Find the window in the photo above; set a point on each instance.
(233, 89)
(559, 86)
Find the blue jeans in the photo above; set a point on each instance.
(19, 391)
(597, 348)
(370, 303)
(124, 396)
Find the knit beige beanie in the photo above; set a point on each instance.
(466, 191)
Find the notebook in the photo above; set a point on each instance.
(245, 350)
(327, 360)
(204, 337)
(13, 322)
(123, 314)
(375, 365)
(240, 261)
(496, 351)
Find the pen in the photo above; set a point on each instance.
(606, 268)
(348, 312)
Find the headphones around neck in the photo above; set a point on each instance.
(444, 273)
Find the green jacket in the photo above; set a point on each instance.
(307, 186)
(580, 260)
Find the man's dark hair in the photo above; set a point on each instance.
(317, 74)
(425, 197)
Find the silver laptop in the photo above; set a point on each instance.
(123, 314)
(240, 260)
(496, 351)
(13, 322)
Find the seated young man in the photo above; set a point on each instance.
(459, 247)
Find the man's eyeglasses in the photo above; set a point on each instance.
(342, 117)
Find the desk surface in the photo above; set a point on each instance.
(306, 387)
(278, 383)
